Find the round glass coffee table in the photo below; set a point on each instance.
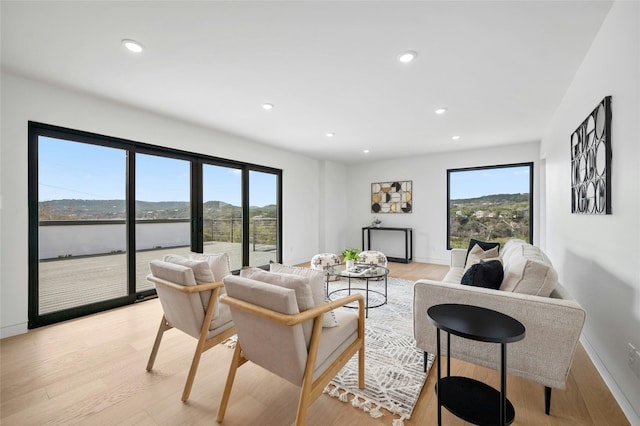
(360, 273)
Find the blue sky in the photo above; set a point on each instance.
(474, 183)
(84, 171)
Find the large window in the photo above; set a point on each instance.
(101, 208)
(489, 203)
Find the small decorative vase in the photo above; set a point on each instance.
(350, 263)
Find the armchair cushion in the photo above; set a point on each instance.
(201, 272)
(316, 282)
(183, 311)
(265, 342)
(218, 263)
(297, 283)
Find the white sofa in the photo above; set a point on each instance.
(553, 323)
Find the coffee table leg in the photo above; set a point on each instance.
(327, 288)
(366, 306)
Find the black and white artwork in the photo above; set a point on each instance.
(591, 162)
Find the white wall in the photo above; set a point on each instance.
(24, 99)
(429, 175)
(333, 205)
(597, 257)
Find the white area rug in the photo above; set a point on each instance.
(394, 373)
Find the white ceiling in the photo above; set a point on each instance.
(501, 68)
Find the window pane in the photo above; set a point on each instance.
(81, 225)
(489, 204)
(222, 212)
(263, 218)
(163, 211)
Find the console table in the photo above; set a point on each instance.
(467, 398)
(408, 242)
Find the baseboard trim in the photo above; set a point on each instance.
(617, 393)
(13, 330)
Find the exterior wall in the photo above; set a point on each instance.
(60, 240)
(597, 255)
(24, 99)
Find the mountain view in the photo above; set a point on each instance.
(221, 221)
(74, 209)
(495, 217)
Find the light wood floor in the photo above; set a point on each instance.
(92, 371)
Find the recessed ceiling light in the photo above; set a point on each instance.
(267, 106)
(407, 56)
(132, 45)
(440, 111)
(455, 138)
(330, 134)
(366, 151)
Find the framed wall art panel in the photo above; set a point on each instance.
(392, 197)
(591, 162)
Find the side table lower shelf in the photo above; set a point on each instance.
(473, 401)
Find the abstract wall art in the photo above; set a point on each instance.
(392, 197)
(591, 162)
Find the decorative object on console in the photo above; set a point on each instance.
(591, 162)
(392, 197)
(376, 222)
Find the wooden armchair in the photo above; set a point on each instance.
(275, 334)
(191, 308)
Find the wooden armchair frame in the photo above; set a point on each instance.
(310, 389)
(204, 344)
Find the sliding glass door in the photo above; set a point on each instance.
(81, 225)
(222, 212)
(263, 218)
(101, 208)
(163, 211)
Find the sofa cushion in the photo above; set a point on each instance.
(509, 247)
(529, 271)
(486, 273)
(477, 253)
(316, 282)
(484, 245)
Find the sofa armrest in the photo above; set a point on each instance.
(553, 327)
(458, 258)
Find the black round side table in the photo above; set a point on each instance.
(467, 398)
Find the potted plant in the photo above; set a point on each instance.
(376, 222)
(350, 255)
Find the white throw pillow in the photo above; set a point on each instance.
(476, 254)
(316, 282)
